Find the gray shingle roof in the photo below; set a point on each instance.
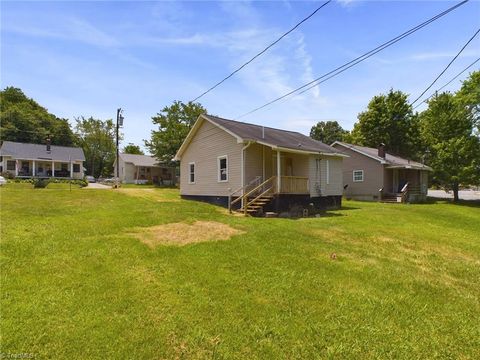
(390, 160)
(140, 160)
(39, 152)
(271, 136)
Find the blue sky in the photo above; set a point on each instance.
(90, 57)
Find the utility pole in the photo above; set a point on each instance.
(119, 124)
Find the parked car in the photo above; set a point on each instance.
(90, 178)
(3, 181)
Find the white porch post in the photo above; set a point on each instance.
(279, 181)
(16, 168)
(53, 168)
(71, 169)
(33, 168)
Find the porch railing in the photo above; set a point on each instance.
(294, 185)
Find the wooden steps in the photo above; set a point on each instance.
(391, 198)
(257, 205)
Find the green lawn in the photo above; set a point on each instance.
(75, 284)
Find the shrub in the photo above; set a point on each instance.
(40, 183)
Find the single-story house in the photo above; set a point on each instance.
(41, 160)
(140, 169)
(257, 168)
(374, 174)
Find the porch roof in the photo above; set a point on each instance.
(24, 151)
(141, 160)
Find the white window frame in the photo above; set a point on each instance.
(358, 171)
(218, 168)
(328, 172)
(190, 172)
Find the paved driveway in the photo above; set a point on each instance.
(463, 194)
(97, 186)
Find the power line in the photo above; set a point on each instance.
(446, 68)
(448, 83)
(263, 51)
(357, 60)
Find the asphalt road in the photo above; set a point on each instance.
(463, 194)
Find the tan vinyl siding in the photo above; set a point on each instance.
(373, 175)
(319, 186)
(254, 161)
(207, 145)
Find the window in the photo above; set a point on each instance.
(76, 168)
(191, 173)
(222, 168)
(11, 165)
(64, 166)
(357, 175)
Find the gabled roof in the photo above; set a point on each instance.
(391, 161)
(39, 152)
(275, 138)
(140, 160)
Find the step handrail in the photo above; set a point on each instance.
(245, 196)
(230, 202)
(404, 192)
(245, 206)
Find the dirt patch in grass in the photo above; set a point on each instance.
(182, 234)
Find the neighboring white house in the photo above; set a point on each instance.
(229, 162)
(41, 160)
(140, 169)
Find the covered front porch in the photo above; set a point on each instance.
(405, 184)
(271, 173)
(288, 172)
(154, 174)
(21, 168)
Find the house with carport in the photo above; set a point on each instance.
(142, 169)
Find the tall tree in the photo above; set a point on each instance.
(388, 119)
(469, 96)
(133, 149)
(23, 120)
(97, 138)
(328, 132)
(447, 128)
(174, 122)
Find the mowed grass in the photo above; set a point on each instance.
(76, 284)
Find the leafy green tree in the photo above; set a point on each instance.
(97, 139)
(447, 128)
(388, 119)
(328, 132)
(174, 122)
(469, 96)
(24, 120)
(133, 149)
